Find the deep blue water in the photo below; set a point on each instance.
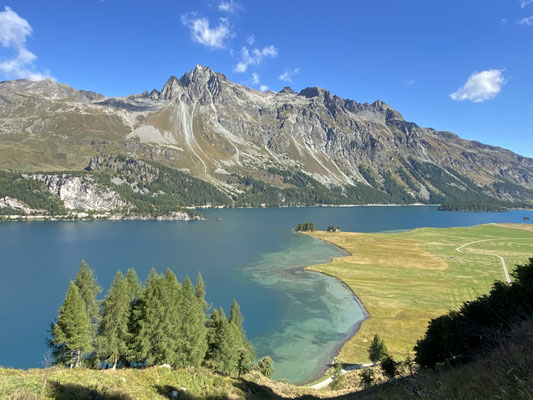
(251, 255)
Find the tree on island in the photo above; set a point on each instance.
(72, 331)
(377, 350)
(305, 227)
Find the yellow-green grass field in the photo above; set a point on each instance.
(405, 279)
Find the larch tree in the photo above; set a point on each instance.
(133, 284)
(112, 336)
(245, 349)
(377, 350)
(72, 331)
(193, 345)
(89, 290)
(148, 344)
(172, 319)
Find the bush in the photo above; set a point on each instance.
(266, 366)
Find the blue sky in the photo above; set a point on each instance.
(461, 66)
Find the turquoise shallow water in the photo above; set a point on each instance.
(251, 255)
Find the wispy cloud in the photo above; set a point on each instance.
(254, 57)
(229, 6)
(526, 21)
(287, 75)
(410, 82)
(480, 86)
(525, 3)
(250, 40)
(203, 33)
(256, 78)
(263, 88)
(14, 30)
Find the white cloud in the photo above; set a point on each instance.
(263, 88)
(526, 21)
(229, 6)
(287, 75)
(202, 33)
(255, 78)
(480, 86)
(410, 82)
(525, 3)
(254, 57)
(250, 40)
(14, 30)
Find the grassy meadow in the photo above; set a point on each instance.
(405, 279)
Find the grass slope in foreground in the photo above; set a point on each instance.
(405, 279)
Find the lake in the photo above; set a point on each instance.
(300, 318)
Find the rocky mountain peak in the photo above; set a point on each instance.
(287, 90)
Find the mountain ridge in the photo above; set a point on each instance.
(212, 128)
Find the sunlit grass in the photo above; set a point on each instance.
(405, 279)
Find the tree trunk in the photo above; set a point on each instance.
(78, 356)
(115, 363)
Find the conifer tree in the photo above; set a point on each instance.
(224, 343)
(377, 350)
(148, 343)
(72, 331)
(245, 350)
(113, 332)
(89, 290)
(172, 318)
(133, 284)
(193, 345)
(200, 292)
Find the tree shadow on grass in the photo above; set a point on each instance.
(68, 391)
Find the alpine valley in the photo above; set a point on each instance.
(206, 141)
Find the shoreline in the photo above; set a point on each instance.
(355, 327)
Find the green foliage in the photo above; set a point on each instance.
(112, 339)
(460, 335)
(31, 192)
(162, 322)
(305, 227)
(193, 332)
(73, 329)
(368, 377)
(337, 382)
(89, 290)
(160, 190)
(395, 190)
(332, 228)
(377, 350)
(266, 366)
(365, 172)
(389, 366)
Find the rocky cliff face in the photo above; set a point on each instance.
(206, 125)
(80, 192)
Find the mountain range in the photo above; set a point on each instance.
(251, 147)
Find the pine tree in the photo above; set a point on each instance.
(193, 345)
(72, 331)
(377, 350)
(113, 332)
(89, 290)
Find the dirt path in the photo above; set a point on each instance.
(327, 381)
(504, 264)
